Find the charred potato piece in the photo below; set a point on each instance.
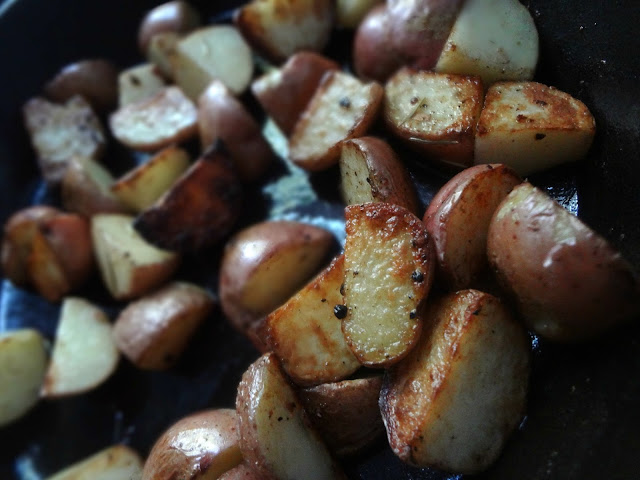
(113, 463)
(176, 17)
(198, 210)
(453, 402)
(389, 266)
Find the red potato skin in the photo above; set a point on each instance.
(175, 16)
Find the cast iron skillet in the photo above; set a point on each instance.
(583, 420)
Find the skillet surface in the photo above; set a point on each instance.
(583, 417)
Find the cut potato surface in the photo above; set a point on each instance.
(139, 83)
(23, 362)
(532, 127)
(342, 108)
(389, 266)
(118, 462)
(452, 403)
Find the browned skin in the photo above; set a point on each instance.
(199, 210)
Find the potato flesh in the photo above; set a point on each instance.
(23, 362)
(532, 127)
(114, 463)
(139, 83)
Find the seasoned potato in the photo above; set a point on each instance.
(494, 39)
(452, 403)
(285, 92)
(568, 282)
(129, 265)
(84, 354)
(96, 80)
(435, 114)
(370, 171)
(346, 413)
(389, 266)
(458, 220)
(23, 362)
(306, 335)
(280, 28)
(176, 17)
(198, 210)
(342, 108)
(118, 462)
(276, 438)
(202, 445)
(166, 118)
(531, 127)
(153, 331)
(223, 117)
(61, 132)
(139, 83)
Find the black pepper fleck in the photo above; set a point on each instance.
(417, 276)
(340, 311)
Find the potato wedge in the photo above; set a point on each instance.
(166, 118)
(129, 265)
(532, 127)
(210, 53)
(569, 283)
(452, 403)
(61, 132)
(153, 331)
(306, 335)
(342, 108)
(175, 17)
(435, 114)
(389, 267)
(23, 363)
(202, 445)
(118, 462)
(141, 187)
(276, 438)
(265, 264)
(84, 354)
(198, 210)
(285, 92)
(458, 220)
(494, 39)
(370, 171)
(139, 83)
(280, 28)
(222, 117)
(346, 413)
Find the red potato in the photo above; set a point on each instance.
(221, 116)
(285, 92)
(175, 16)
(458, 220)
(568, 282)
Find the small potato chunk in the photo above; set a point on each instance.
(221, 116)
(306, 335)
(532, 127)
(280, 28)
(342, 108)
(265, 264)
(118, 462)
(61, 132)
(166, 118)
(349, 13)
(494, 39)
(434, 114)
(276, 438)
(175, 17)
(453, 402)
(23, 362)
(346, 413)
(198, 210)
(139, 83)
(210, 53)
(86, 189)
(203, 445)
(153, 331)
(96, 80)
(129, 265)
(84, 354)
(568, 282)
(389, 267)
(285, 92)
(160, 51)
(458, 220)
(141, 187)
(370, 171)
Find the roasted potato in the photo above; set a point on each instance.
(118, 462)
(176, 17)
